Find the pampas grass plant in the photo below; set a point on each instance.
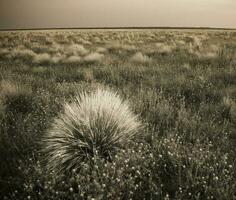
(16, 98)
(164, 48)
(95, 124)
(76, 49)
(43, 58)
(140, 58)
(9, 89)
(72, 59)
(22, 53)
(93, 57)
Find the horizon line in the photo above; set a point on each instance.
(118, 27)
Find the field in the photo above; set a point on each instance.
(180, 83)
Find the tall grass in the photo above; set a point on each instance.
(95, 123)
(185, 96)
(140, 58)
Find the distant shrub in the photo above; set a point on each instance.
(38, 70)
(76, 49)
(116, 46)
(72, 59)
(16, 103)
(9, 88)
(85, 42)
(4, 53)
(197, 42)
(23, 54)
(56, 58)
(94, 124)
(209, 52)
(140, 58)
(43, 58)
(93, 57)
(14, 97)
(180, 42)
(87, 74)
(101, 50)
(164, 48)
(229, 110)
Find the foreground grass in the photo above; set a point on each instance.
(181, 84)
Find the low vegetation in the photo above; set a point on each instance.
(118, 114)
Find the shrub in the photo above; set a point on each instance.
(14, 97)
(101, 50)
(72, 59)
(87, 74)
(229, 109)
(23, 54)
(164, 48)
(38, 70)
(16, 104)
(93, 57)
(94, 124)
(140, 58)
(4, 53)
(76, 49)
(43, 58)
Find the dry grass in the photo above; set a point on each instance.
(140, 58)
(94, 57)
(76, 49)
(94, 124)
(164, 48)
(185, 96)
(72, 59)
(8, 89)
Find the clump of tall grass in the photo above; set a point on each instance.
(72, 59)
(164, 48)
(101, 50)
(93, 57)
(45, 58)
(22, 53)
(140, 58)
(38, 69)
(209, 52)
(87, 74)
(76, 49)
(114, 46)
(4, 53)
(94, 124)
(229, 110)
(16, 98)
(7, 89)
(42, 58)
(17, 104)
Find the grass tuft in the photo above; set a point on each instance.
(94, 124)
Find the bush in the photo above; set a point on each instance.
(140, 58)
(94, 124)
(15, 98)
(93, 58)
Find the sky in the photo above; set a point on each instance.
(20, 14)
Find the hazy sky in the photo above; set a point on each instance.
(89, 13)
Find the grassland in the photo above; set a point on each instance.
(181, 84)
